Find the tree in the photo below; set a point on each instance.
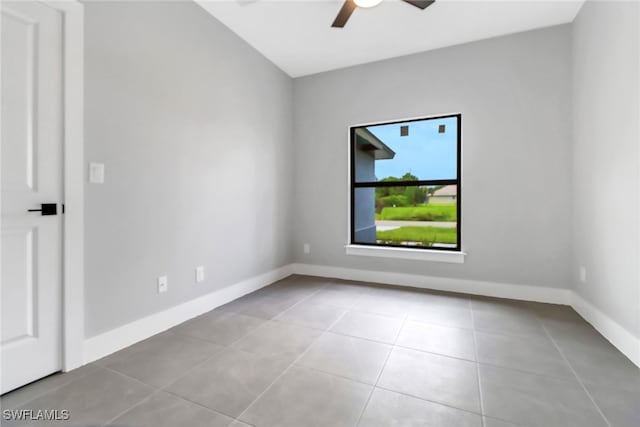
(389, 191)
(413, 195)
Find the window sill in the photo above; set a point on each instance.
(401, 253)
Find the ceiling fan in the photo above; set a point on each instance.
(350, 5)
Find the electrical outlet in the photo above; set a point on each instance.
(163, 284)
(306, 248)
(582, 272)
(199, 274)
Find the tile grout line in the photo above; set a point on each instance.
(419, 350)
(38, 395)
(298, 303)
(345, 310)
(475, 349)
(392, 345)
(344, 334)
(99, 367)
(223, 347)
(229, 315)
(193, 402)
(435, 402)
(146, 399)
(423, 398)
(159, 390)
(122, 374)
(197, 365)
(522, 371)
(384, 365)
(186, 399)
(230, 345)
(155, 391)
(564, 357)
(293, 363)
(163, 388)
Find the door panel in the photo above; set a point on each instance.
(18, 118)
(19, 248)
(31, 174)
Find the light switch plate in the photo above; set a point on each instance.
(96, 173)
(199, 274)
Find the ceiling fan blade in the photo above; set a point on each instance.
(345, 12)
(422, 4)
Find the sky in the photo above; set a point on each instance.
(425, 153)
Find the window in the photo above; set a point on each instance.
(405, 183)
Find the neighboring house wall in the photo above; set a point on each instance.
(442, 200)
(445, 195)
(194, 127)
(365, 198)
(514, 93)
(606, 159)
(365, 166)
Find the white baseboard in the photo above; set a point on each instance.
(617, 335)
(475, 287)
(622, 339)
(109, 342)
(116, 339)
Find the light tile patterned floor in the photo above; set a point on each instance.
(317, 352)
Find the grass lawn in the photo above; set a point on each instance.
(420, 213)
(424, 235)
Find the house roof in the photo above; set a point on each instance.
(447, 190)
(366, 141)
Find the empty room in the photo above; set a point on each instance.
(323, 213)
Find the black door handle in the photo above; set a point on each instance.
(47, 209)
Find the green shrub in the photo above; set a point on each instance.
(394, 200)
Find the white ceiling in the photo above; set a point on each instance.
(297, 36)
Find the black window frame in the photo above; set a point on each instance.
(457, 182)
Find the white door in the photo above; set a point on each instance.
(31, 174)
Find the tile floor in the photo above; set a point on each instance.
(315, 352)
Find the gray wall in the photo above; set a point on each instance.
(194, 128)
(514, 94)
(606, 93)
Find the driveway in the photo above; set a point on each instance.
(390, 225)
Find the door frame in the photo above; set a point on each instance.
(74, 176)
